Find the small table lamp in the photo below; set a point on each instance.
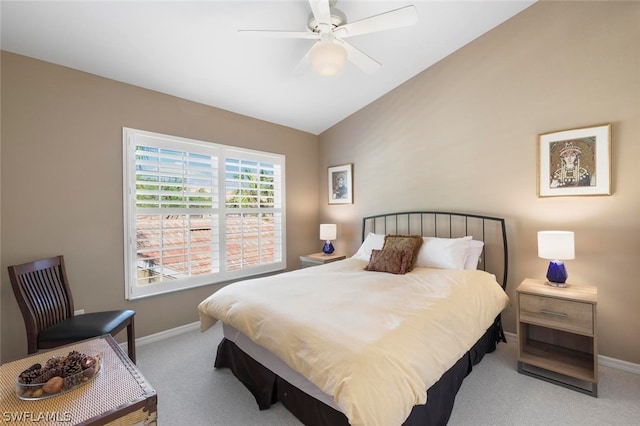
(328, 232)
(556, 246)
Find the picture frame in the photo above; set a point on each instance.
(340, 184)
(575, 162)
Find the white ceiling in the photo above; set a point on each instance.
(191, 49)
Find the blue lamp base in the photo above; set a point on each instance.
(327, 248)
(557, 274)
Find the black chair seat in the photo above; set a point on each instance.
(85, 326)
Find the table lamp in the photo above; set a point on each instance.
(328, 232)
(556, 246)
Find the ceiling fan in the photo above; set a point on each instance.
(329, 27)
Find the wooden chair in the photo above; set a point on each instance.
(42, 290)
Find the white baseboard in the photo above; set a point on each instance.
(141, 341)
(606, 361)
(619, 364)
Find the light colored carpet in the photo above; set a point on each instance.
(191, 391)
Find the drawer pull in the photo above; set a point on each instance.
(555, 314)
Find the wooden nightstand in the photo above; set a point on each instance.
(316, 259)
(557, 334)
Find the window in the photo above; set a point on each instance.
(196, 213)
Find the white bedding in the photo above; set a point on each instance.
(373, 341)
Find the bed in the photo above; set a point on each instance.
(338, 344)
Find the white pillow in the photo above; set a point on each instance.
(372, 242)
(443, 253)
(474, 251)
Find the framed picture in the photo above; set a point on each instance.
(341, 184)
(575, 162)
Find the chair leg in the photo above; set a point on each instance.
(131, 340)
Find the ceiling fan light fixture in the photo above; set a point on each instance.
(327, 58)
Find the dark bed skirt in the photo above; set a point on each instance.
(268, 388)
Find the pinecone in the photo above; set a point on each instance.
(72, 362)
(71, 381)
(54, 362)
(30, 374)
(74, 357)
(71, 369)
(46, 374)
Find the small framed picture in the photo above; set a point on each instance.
(575, 162)
(341, 184)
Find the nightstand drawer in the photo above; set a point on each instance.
(567, 315)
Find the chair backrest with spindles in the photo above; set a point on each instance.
(42, 291)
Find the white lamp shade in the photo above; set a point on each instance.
(327, 58)
(556, 245)
(328, 231)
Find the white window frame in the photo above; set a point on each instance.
(132, 138)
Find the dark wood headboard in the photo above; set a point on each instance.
(490, 230)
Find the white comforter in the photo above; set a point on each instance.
(373, 341)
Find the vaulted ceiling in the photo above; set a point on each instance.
(192, 49)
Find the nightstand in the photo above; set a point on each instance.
(557, 337)
(316, 259)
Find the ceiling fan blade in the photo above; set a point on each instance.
(279, 34)
(322, 14)
(403, 17)
(359, 58)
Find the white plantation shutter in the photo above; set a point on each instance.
(253, 212)
(168, 178)
(196, 213)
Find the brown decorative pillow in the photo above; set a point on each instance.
(389, 260)
(402, 242)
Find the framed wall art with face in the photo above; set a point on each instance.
(575, 162)
(341, 184)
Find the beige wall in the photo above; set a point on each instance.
(62, 183)
(462, 136)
